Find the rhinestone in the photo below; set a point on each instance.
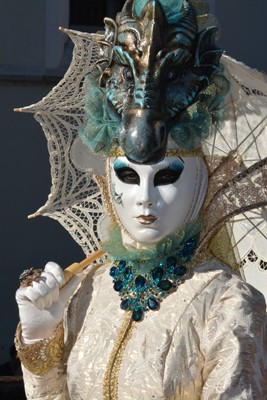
(125, 304)
(137, 315)
(118, 285)
(171, 262)
(157, 273)
(181, 270)
(127, 273)
(140, 281)
(165, 285)
(112, 271)
(122, 265)
(152, 303)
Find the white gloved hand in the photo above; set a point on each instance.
(41, 306)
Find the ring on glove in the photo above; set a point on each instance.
(28, 276)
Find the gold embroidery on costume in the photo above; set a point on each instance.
(40, 357)
(110, 384)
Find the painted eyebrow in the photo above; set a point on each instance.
(174, 165)
(120, 164)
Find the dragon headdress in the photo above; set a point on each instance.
(159, 77)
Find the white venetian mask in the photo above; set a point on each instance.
(153, 201)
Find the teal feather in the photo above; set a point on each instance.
(99, 129)
(173, 9)
(115, 248)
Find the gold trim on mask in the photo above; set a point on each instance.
(118, 152)
(103, 184)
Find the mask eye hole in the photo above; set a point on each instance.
(127, 74)
(167, 176)
(127, 175)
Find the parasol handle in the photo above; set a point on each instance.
(76, 268)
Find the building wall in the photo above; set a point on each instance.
(22, 22)
(31, 61)
(243, 30)
(29, 32)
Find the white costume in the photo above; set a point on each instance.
(205, 342)
(184, 326)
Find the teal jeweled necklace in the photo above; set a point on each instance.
(141, 292)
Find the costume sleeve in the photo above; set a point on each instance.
(234, 343)
(51, 386)
(43, 366)
(51, 383)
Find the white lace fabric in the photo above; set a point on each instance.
(75, 199)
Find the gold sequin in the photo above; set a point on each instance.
(102, 183)
(222, 248)
(40, 357)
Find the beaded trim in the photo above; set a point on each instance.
(142, 292)
(40, 357)
(111, 377)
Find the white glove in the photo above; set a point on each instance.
(41, 306)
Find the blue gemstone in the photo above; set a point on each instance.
(181, 271)
(112, 271)
(157, 273)
(171, 262)
(189, 247)
(122, 265)
(152, 303)
(165, 285)
(186, 252)
(127, 273)
(118, 285)
(192, 242)
(137, 315)
(125, 304)
(140, 281)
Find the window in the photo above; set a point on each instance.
(92, 12)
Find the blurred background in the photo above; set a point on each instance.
(33, 57)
